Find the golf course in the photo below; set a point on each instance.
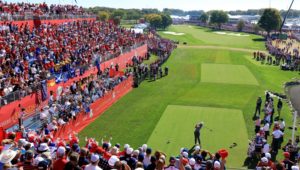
(212, 79)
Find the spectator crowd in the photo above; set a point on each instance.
(12, 10)
(286, 54)
(57, 51)
(269, 138)
(41, 152)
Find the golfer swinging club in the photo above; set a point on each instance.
(197, 132)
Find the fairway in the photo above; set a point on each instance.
(177, 125)
(227, 73)
(194, 35)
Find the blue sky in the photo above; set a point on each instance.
(179, 4)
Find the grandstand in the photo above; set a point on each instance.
(68, 97)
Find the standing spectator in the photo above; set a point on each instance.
(61, 162)
(94, 163)
(258, 107)
(287, 162)
(279, 107)
(277, 135)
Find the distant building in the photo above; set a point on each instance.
(179, 19)
(234, 19)
(194, 17)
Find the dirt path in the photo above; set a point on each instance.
(219, 48)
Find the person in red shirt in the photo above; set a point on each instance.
(61, 162)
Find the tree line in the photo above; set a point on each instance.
(270, 20)
(156, 18)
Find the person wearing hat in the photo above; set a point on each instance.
(287, 162)
(94, 163)
(112, 160)
(198, 159)
(197, 151)
(61, 162)
(43, 165)
(27, 164)
(197, 133)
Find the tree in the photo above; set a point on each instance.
(218, 18)
(155, 20)
(241, 25)
(256, 29)
(204, 18)
(117, 15)
(103, 15)
(166, 21)
(133, 14)
(270, 20)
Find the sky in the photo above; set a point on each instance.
(178, 4)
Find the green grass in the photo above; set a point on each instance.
(152, 59)
(134, 117)
(203, 36)
(177, 123)
(227, 73)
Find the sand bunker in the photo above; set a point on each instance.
(173, 33)
(232, 34)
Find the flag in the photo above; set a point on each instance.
(44, 90)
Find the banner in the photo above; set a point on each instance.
(97, 108)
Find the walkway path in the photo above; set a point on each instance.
(219, 48)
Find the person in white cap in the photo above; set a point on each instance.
(112, 160)
(263, 163)
(197, 151)
(94, 163)
(126, 146)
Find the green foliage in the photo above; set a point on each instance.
(166, 21)
(103, 15)
(270, 20)
(240, 26)
(118, 13)
(256, 28)
(180, 12)
(204, 18)
(150, 11)
(159, 20)
(218, 17)
(155, 20)
(133, 14)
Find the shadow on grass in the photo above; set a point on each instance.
(258, 39)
